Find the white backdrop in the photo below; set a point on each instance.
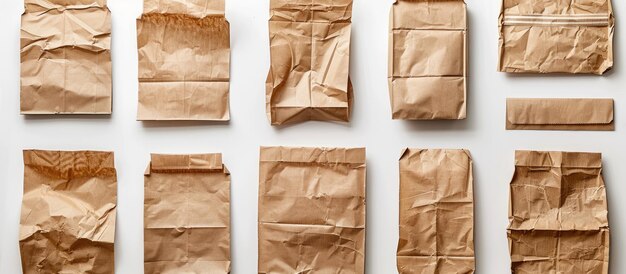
(483, 133)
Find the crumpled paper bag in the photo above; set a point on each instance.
(559, 114)
(560, 36)
(436, 212)
(309, 77)
(67, 222)
(558, 218)
(312, 210)
(187, 215)
(428, 60)
(184, 61)
(66, 57)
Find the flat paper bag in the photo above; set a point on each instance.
(312, 210)
(428, 59)
(558, 218)
(187, 215)
(436, 212)
(65, 57)
(310, 61)
(184, 61)
(556, 36)
(559, 114)
(67, 222)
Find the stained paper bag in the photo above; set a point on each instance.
(428, 59)
(312, 210)
(65, 57)
(557, 36)
(187, 215)
(67, 222)
(558, 219)
(559, 114)
(184, 61)
(309, 77)
(436, 212)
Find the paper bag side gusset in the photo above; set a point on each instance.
(579, 37)
(556, 222)
(309, 72)
(178, 191)
(56, 234)
(436, 212)
(559, 114)
(65, 76)
(333, 221)
(418, 89)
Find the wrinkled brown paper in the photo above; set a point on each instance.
(558, 219)
(184, 61)
(187, 215)
(66, 57)
(559, 36)
(312, 210)
(436, 212)
(559, 114)
(428, 60)
(67, 222)
(310, 61)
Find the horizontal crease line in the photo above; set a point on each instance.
(599, 24)
(436, 256)
(555, 18)
(433, 29)
(145, 80)
(596, 15)
(426, 76)
(311, 225)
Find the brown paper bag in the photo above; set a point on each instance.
(558, 214)
(559, 36)
(310, 61)
(559, 114)
(428, 59)
(312, 210)
(67, 222)
(184, 61)
(65, 57)
(436, 212)
(187, 215)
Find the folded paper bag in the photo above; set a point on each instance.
(560, 114)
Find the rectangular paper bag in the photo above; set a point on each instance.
(559, 114)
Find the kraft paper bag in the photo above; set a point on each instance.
(184, 61)
(65, 57)
(557, 36)
(312, 210)
(309, 77)
(187, 215)
(560, 114)
(558, 214)
(428, 59)
(436, 212)
(67, 222)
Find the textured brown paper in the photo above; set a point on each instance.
(312, 210)
(66, 57)
(187, 215)
(67, 222)
(310, 61)
(184, 61)
(558, 219)
(428, 59)
(436, 212)
(559, 114)
(558, 36)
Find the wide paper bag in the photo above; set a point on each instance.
(559, 114)
(187, 215)
(67, 223)
(312, 210)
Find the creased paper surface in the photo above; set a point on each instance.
(184, 61)
(309, 77)
(65, 57)
(428, 60)
(187, 215)
(559, 114)
(558, 219)
(312, 210)
(67, 222)
(436, 212)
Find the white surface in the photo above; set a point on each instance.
(483, 133)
